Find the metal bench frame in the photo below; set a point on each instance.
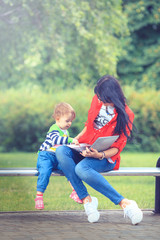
(123, 171)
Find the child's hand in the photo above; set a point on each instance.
(75, 141)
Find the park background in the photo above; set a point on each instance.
(55, 50)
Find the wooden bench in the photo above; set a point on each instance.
(123, 171)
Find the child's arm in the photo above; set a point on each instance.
(56, 139)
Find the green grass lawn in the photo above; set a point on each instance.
(18, 193)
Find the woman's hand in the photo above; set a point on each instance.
(91, 153)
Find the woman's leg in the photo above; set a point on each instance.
(89, 171)
(67, 159)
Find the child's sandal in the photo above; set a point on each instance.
(75, 197)
(39, 203)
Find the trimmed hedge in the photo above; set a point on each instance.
(146, 106)
(25, 116)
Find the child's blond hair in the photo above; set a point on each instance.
(62, 109)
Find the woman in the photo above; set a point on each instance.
(108, 115)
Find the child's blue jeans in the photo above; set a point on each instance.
(46, 163)
(78, 169)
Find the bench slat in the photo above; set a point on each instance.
(123, 171)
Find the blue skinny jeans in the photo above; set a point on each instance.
(77, 169)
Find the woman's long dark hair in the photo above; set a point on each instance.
(108, 90)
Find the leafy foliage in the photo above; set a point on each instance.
(62, 43)
(52, 45)
(140, 62)
(145, 105)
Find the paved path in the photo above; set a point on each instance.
(73, 225)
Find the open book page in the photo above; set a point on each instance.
(79, 148)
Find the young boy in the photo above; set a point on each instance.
(63, 114)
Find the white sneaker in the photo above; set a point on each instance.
(91, 210)
(133, 212)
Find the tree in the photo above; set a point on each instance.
(140, 63)
(59, 42)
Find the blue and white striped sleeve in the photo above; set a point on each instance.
(55, 139)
